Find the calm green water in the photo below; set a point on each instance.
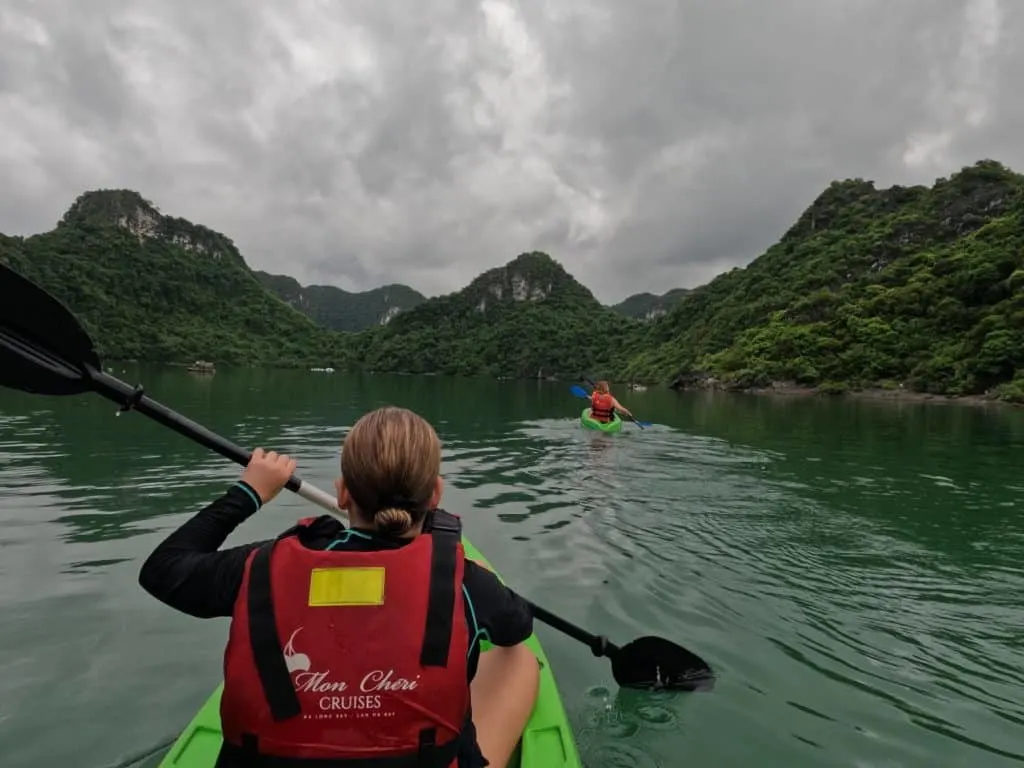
(852, 569)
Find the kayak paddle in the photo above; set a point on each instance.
(581, 393)
(45, 350)
(53, 355)
(648, 663)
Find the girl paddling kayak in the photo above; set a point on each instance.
(604, 410)
(359, 643)
(604, 406)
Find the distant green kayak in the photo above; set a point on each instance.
(615, 425)
(547, 741)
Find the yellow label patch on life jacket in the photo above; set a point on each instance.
(332, 587)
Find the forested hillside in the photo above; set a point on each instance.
(527, 318)
(340, 310)
(915, 287)
(158, 288)
(647, 306)
(907, 285)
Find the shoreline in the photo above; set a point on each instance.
(778, 389)
(782, 389)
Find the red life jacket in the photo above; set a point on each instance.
(602, 406)
(379, 682)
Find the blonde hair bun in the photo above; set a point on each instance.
(393, 521)
(390, 462)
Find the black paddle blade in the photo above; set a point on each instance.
(43, 348)
(653, 663)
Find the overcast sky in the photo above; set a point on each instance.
(645, 144)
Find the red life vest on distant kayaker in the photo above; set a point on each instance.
(602, 406)
(349, 659)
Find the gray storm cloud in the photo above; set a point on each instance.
(646, 145)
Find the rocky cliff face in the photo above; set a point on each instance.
(530, 277)
(129, 211)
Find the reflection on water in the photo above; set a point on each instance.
(852, 570)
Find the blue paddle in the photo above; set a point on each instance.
(581, 393)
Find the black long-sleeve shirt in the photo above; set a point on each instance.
(189, 572)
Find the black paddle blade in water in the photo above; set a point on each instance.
(43, 348)
(649, 663)
(653, 663)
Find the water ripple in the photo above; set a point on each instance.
(862, 607)
(701, 532)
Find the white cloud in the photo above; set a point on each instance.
(963, 91)
(645, 145)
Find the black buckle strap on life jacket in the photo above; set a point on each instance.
(427, 755)
(267, 653)
(445, 534)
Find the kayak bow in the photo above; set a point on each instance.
(610, 427)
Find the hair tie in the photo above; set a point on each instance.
(398, 502)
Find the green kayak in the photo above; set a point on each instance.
(615, 425)
(547, 740)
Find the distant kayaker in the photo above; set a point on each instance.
(358, 643)
(603, 404)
